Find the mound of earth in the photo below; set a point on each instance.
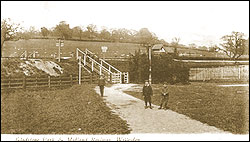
(37, 67)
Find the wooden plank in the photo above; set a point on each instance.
(16, 83)
(18, 87)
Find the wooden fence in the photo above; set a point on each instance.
(44, 82)
(234, 73)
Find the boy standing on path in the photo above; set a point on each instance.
(147, 92)
(101, 84)
(165, 96)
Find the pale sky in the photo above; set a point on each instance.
(202, 23)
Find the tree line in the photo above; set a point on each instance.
(90, 32)
(233, 45)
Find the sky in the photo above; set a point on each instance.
(202, 23)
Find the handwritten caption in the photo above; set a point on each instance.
(120, 138)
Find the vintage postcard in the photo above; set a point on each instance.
(124, 70)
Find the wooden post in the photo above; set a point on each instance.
(91, 78)
(49, 81)
(239, 72)
(92, 67)
(60, 81)
(59, 51)
(101, 68)
(127, 77)
(71, 80)
(24, 82)
(80, 70)
(36, 82)
(76, 53)
(84, 60)
(110, 77)
(120, 77)
(9, 81)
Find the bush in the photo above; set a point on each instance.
(164, 69)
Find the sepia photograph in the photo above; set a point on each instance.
(124, 70)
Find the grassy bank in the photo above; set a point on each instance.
(76, 110)
(226, 108)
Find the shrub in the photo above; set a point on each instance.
(164, 69)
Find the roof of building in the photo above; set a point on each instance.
(157, 46)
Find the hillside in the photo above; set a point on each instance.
(48, 48)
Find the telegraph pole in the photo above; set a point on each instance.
(148, 46)
(59, 51)
(150, 64)
(59, 43)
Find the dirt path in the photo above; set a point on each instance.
(150, 120)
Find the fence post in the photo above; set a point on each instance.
(80, 71)
(9, 81)
(91, 78)
(120, 77)
(92, 66)
(71, 80)
(101, 68)
(60, 80)
(111, 77)
(76, 53)
(49, 81)
(239, 72)
(24, 82)
(36, 82)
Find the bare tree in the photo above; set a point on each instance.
(8, 31)
(175, 44)
(234, 45)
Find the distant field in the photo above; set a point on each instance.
(47, 47)
(226, 108)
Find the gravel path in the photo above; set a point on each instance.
(148, 120)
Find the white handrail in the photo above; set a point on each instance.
(98, 64)
(110, 65)
(95, 61)
(95, 65)
(103, 61)
(91, 52)
(24, 53)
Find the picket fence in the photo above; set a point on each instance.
(234, 73)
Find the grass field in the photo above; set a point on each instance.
(226, 108)
(47, 48)
(76, 110)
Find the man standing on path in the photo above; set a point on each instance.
(147, 92)
(165, 96)
(101, 84)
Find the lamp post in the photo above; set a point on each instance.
(150, 64)
(149, 48)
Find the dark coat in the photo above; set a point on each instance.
(147, 91)
(164, 92)
(101, 82)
